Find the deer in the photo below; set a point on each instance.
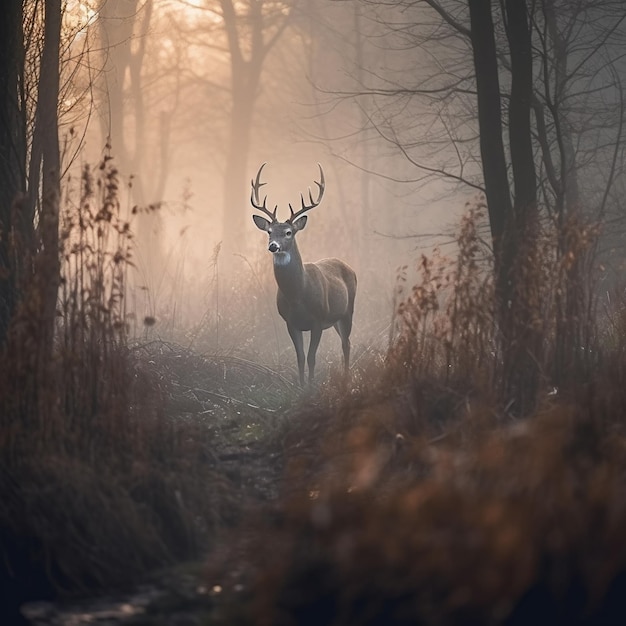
(311, 296)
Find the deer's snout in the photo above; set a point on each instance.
(274, 247)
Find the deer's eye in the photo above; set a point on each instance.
(288, 233)
(269, 231)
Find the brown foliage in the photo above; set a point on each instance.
(517, 523)
(98, 483)
(423, 499)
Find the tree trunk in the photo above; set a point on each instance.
(510, 223)
(524, 346)
(12, 160)
(124, 27)
(571, 299)
(245, 77)
(47, 127)
(497, 190)
(115, 24)
(520, 132)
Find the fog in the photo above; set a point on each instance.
(154, 409)
(191, 97)
(188, 126)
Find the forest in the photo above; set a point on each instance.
(175, 448)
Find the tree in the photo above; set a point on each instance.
(512, 224)
(251, 33)
(30, 167)
(45, 155)
(167, 62)
(124, 28)
(539, 69)
(12, 157)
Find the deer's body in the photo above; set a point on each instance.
(315, 294)
(311, 296)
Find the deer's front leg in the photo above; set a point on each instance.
(316, 335)
(296, 337)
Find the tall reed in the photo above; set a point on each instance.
(99, 483)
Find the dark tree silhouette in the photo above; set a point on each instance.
(46, 135)
(29, 196)
(544, 90)
(12, 155)
(251, 34)
(512, 222)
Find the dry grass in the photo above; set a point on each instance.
(515, 526)
(383, 521)
(418, 494)
(99, 482)
(424, 499)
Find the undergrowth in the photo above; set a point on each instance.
(417, 493)
(425, 498)
(99, 484)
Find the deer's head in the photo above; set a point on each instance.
(282, 234)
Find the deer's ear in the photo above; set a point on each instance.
(261, 222)
(300, 223)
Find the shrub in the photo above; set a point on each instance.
(98, 483)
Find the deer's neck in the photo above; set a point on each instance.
(289, 271)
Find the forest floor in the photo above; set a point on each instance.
(377, 503)
(244, 407)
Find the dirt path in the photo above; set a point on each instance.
(241, 406)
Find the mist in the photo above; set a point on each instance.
(189, 114)
(194, 194)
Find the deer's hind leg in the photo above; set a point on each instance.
(344, 328)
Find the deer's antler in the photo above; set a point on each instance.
(254, 196)
(313, 203)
